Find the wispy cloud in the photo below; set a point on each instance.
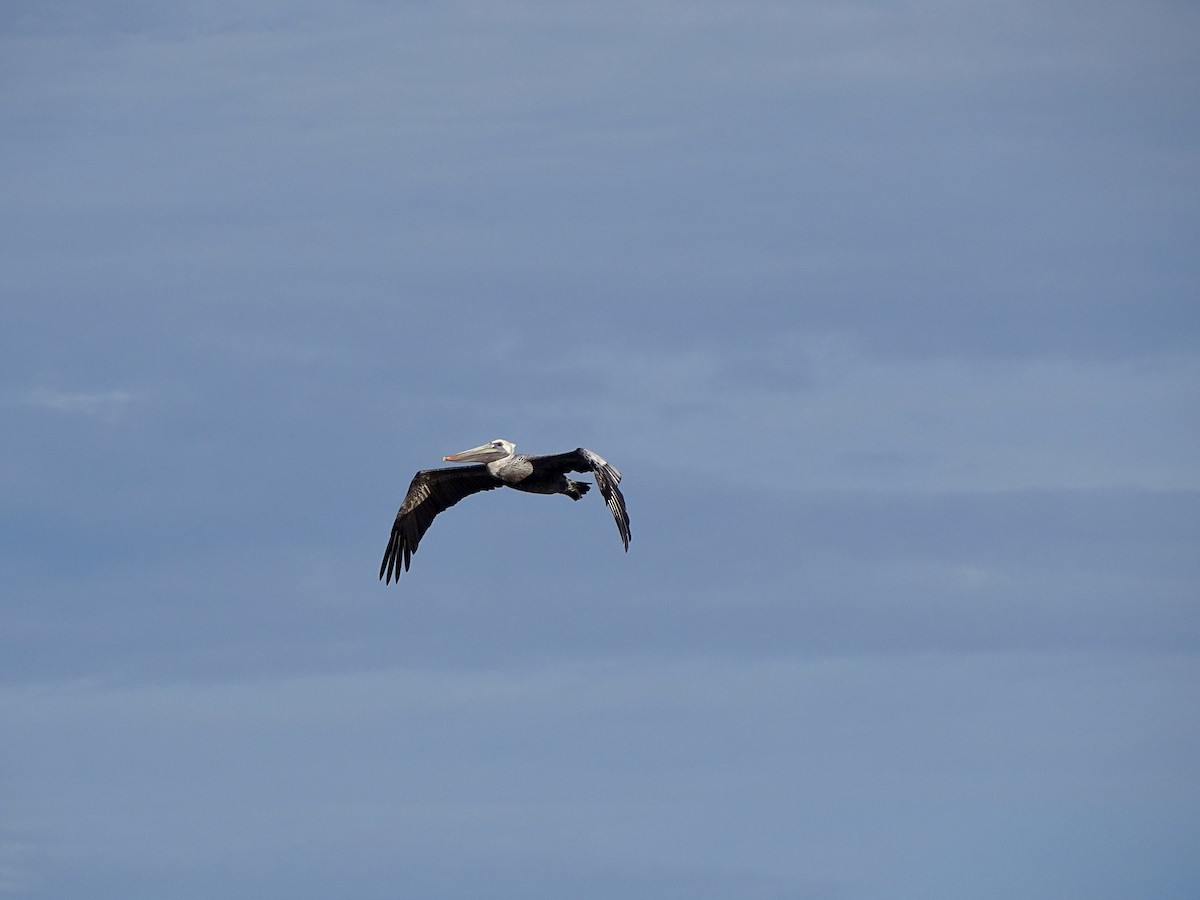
(845, 419)
(92, 403)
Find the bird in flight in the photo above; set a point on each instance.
(495, 465)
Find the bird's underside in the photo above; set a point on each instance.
(433, 491)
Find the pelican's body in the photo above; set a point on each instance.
(496, 465)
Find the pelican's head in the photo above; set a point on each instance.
(484, 453)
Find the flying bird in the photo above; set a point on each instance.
(496, 465)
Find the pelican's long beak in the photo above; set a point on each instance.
(482, 453)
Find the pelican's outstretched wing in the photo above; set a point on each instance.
(432, 491)
(607, 479)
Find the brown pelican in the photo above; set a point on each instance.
(435, 490)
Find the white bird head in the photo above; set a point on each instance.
(484, 453)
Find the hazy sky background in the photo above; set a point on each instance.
(886, 311)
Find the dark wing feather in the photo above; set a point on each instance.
(607, 479)
(432, 491)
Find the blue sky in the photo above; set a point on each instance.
(887, 313)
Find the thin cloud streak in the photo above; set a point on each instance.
(842, 420)
(93, 403)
